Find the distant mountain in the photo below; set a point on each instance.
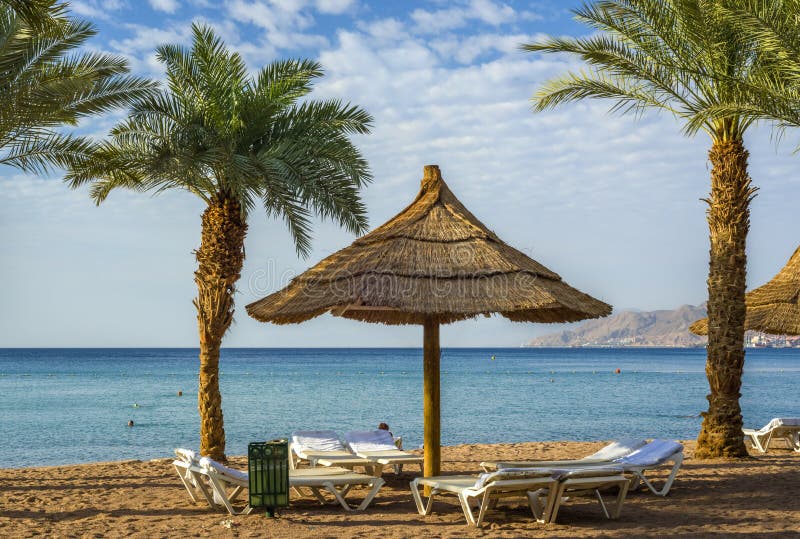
(669, 328)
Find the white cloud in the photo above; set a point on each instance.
(97, 9)
(485, 11)
(334, 6)
(282, 20)
(168, 6)
(466, 49)
(146, 38)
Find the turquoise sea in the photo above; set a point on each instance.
(61, 406)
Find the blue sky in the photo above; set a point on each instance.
(611, 203)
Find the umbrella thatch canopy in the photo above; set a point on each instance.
(773, 307)
(433, 263)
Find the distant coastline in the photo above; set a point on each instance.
(649, 329)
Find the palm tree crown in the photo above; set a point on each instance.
(682, 56)
(773, 92)
(46, 85)
(222, 134)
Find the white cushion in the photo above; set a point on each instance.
(654, 453)
(370, 440)
(618, 449)
(317, 440)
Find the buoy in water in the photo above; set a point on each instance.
(493, 358)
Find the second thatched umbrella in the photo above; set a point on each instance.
(433, 263)
(774, 307)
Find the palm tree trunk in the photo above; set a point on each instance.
(729, 222)
(220, 260)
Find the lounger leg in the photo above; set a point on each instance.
(376, 486)
(602, 503)
(189, 487)
(623, 492)
(555, 503)
(336, 494)
(220, 490)
(485, 503)
(318, 495)
(678, 459)
(535, 503)
(467, 510)
(203, 487)
(235, 494)
(422, 508)
(759, 446)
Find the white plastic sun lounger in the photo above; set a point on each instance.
(785, 428)
(534, 484)
(336, 481)
(324, 448)
(614, 450)
(380, 447)
(653, 455)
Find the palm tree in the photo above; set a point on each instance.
(45, 84)
(236, 141)
(685, 57)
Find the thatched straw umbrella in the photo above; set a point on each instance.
(434, 263)
(773, 307)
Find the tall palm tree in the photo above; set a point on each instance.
(685, 57)
(45, 84)
(237, 142)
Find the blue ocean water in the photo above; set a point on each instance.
(61, 406)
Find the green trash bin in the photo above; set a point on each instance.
(268, 472)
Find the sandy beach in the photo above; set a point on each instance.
(759, 497)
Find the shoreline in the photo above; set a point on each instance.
(134, 498)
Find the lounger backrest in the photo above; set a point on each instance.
(221, 469)
(317, 440)
(370, 440)
(511, 474)
(618, 449)
(652, 454)
(781, 422)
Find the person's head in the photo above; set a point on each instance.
(383, 426)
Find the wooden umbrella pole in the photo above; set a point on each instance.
(432, 433)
